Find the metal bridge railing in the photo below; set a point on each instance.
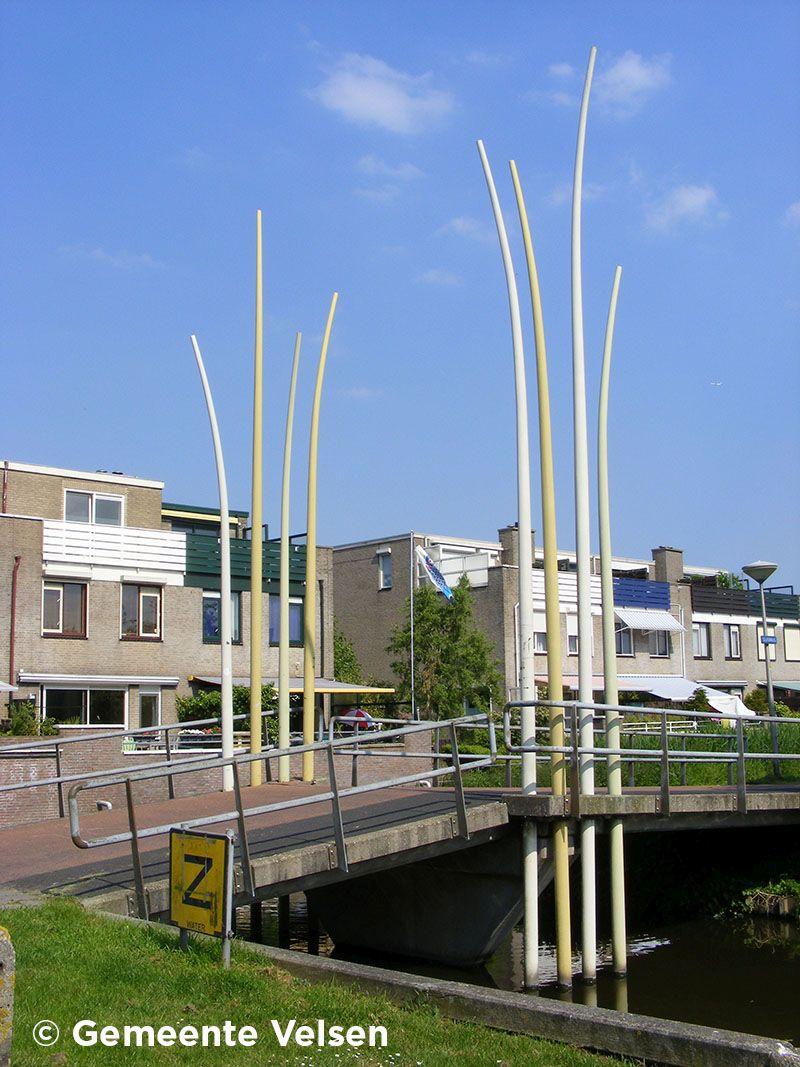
(456, 764)
(735, 759)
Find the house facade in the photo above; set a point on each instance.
(110, 598)
(672, 620)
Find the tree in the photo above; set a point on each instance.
(729, 580)
(207, 704)
(346, 667)
(453, 659)
(698, 701)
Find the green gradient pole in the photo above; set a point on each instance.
(310, 606)
(555, 681)
(284, 768)
(257, 520)
(611, 691)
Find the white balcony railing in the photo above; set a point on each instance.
(113, 552)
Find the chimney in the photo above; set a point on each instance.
(668, 564)
(509, 547)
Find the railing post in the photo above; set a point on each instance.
(170, 780)
(741, 767)
(244, 844)
(664, 765)
(138, 877)
(338, 825)
(60, 785)
(461, 804)
(354, 769)
(683, 770)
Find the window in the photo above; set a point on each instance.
(384, 570)
(295, 621)
(85, 707)
(733, 642)
(659, 643)
(140, 613)
(102, 508)
(791, 643)
(539, 642)
(624, 641)
(701, 640)
(149, 707)
(572, 635)
(773, 649)
(64, 609)
(211, 618)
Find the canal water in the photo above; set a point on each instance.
(738, 975)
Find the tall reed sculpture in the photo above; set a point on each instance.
(225, 577)
(582, 550)
(555, 684)
(257, 519)
(530, 842)
(310, 606)
(283, 637)
(615, 830)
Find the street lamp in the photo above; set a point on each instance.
(760, 571)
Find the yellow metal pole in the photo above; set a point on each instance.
(555, 683)
(256, 520)
(615, 830)
(310, 606)
(284, 769)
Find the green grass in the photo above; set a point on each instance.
(72, 964)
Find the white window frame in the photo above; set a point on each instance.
(87, 691)
(698, 628)
(772, 631)
(151, 691)
(93, 506)
(618, 633)
(144, 589)
(787, 629)
(540, 642)
(572, 625)
(728, 629)
(236, 614)
(59, 583)
(148, 591)
(663, 635)
(382, 583)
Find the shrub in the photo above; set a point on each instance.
(207, 704)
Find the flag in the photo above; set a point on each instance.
(434, 573)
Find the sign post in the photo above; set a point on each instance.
(201, 885)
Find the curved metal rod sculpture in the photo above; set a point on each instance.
(310, 606)
(225, 578)
(555, 685)
(257, 519)
(284, 770)
(582, 549)
(527, 673)
(611, 692)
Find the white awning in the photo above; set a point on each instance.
(677, 688)
(321, 685)
(648, 619)
(6, 688)
(94, 681)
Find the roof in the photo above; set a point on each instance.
(793, 687)
(648, 619)
(114, 477)
(196, 510)
(322, 685)
(89, 680)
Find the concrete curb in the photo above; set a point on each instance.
(6, 995)
(642, 1037)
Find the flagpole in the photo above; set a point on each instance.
(411, 583)
(257, 520)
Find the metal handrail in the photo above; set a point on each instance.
(134, 835)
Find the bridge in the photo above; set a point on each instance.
(440, 832)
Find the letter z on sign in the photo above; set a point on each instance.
(198, 877)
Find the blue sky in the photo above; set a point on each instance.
(140, 138)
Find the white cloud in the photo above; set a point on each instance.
(685, 204)
(122, 260)
(791, 217)
(562, 193)
(438, 276)
(377, 168)
(369, 92)
(561, 70)
(625, 86)
(465, 226)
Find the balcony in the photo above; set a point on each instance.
(112, 553)
(710, 600)
(641, 593)
(203, 564)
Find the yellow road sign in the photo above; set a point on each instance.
(198, 866)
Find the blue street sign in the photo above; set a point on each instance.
(769, 639)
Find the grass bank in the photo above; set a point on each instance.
(72, 965)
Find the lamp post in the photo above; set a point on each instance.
(760, 571)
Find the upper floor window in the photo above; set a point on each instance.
(733, 641)
(624, 641)
(295, 621)
(773, 643)
(572, 635)
(384, 570)
(659, 643)
(539, 641)
(701, 640)
(101, 508)
(140, 613)
(64, 609)
(791, 643)
(211, 617)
